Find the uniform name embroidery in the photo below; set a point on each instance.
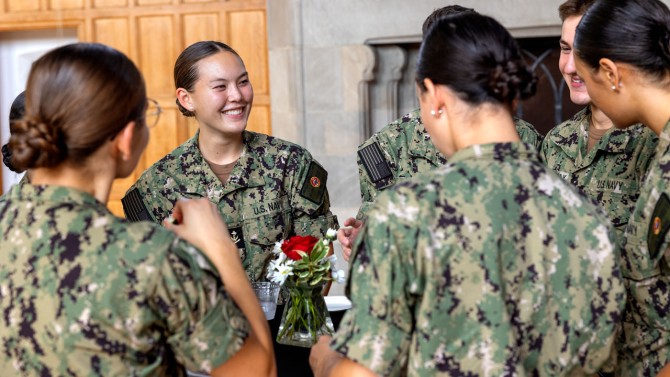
(608, 184)
(262, 208)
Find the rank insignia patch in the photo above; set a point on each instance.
(314, 185)
(658, 226)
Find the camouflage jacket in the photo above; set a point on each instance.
(645, 265)
(84, 293)
(403, 149)
(489, 266)
(611, 172)
(275, 190)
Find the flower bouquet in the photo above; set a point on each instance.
(302, 265)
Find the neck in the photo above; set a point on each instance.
(219, 148)
(492, 124)
(97, 183)
(599, 120)
(655, 112)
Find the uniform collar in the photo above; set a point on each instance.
(201, 180)
(497, 152)
(38, 194)
(572, 138)
(421, 144)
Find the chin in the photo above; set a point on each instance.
(579, 98)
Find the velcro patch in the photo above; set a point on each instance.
(314, 184)
(658, 226)
(237, 235)
(134, 207)
(375, 164)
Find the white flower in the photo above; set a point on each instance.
(331, 233)
(332, 259)
(325, 242)
(277, 248)
(281, 272)
(339, 276)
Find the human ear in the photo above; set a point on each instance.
(184, 98)
(123, 142)
(610, 72)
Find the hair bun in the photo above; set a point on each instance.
(35, 144)
(511, 80)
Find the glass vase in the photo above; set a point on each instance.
(305, 316)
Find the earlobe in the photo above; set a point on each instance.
(611, 73)
(184, 98)
(123, 142)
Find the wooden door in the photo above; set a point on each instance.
(153, 33)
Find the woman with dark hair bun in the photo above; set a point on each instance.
(491, 265)
(83, 292)
(622, 52)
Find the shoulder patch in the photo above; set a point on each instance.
(659, 224)
(134, 207)
(375, 164)
(314, 183)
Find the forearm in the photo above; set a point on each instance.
(239, 289)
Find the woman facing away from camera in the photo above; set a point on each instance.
(491, 265)
(622, 51)
(83, 292)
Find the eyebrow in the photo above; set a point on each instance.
(226, 80)
(563, 42)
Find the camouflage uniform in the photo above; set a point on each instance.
(611, 172)
(85, 293)
(644, 347)
(403, 149)
(275, 190)
(489, 266)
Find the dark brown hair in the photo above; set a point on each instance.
(574, 8)
(441, 12)
(186, 66)
(16, 111)
(78, 96)
(635, 32)
(476, 57)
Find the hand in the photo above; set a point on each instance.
(321, 357)
(347, 235)
(198, 221)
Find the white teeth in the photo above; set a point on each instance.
(233, 112)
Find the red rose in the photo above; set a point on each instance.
(291, 246)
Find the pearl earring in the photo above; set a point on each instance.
(436, 114)
(613, 87)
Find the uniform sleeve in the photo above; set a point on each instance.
(368, 190)
(310, 201)
(204, 326)
(376, 332)
(528, 134)
(141, 203)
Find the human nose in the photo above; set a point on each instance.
(570, 64)
(234, 93)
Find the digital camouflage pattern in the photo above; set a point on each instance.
(489, 266)
(84, 293)
(407, 148)
(644, 347)
(262, 202)
(611, 173)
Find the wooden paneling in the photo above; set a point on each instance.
(22, 6)
(153, 33)
(110, 3)
(156, 53)
(250, 42)
(105, 31)
(199, 27)
(66, 4)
